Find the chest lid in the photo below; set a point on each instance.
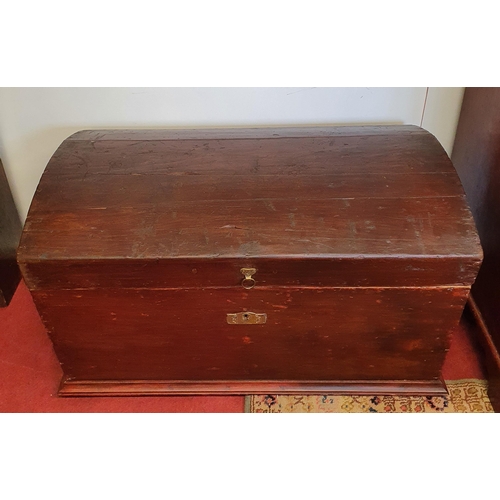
(329, 206)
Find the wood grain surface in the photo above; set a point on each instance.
(361, 237)
(310, 334)
(225, 387)
(380, 194)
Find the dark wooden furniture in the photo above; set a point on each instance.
(290, 260)
(10, 232)
(476, 155)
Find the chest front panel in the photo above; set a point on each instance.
(309, 334)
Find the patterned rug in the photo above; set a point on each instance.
(465, 396)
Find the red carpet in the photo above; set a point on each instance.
(30, 373)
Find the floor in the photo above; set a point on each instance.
(30, 373)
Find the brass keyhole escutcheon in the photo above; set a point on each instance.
(248, 282)
(246, 318)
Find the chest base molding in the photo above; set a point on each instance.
(218, 387)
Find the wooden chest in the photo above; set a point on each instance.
(292, 260)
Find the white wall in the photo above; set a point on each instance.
(34, 121)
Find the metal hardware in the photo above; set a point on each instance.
(247, 318)
(248, 282)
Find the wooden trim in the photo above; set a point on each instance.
(164, 388)
(491, 354)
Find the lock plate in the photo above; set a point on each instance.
(247, 318)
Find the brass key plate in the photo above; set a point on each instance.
(247, 318)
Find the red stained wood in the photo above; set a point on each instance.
(310, 334)
(364, 247)
(162, 388)
(367, 194)
(341, 271)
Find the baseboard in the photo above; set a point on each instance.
(221, 387)
(491, 354)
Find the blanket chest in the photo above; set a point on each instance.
(289, 260)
